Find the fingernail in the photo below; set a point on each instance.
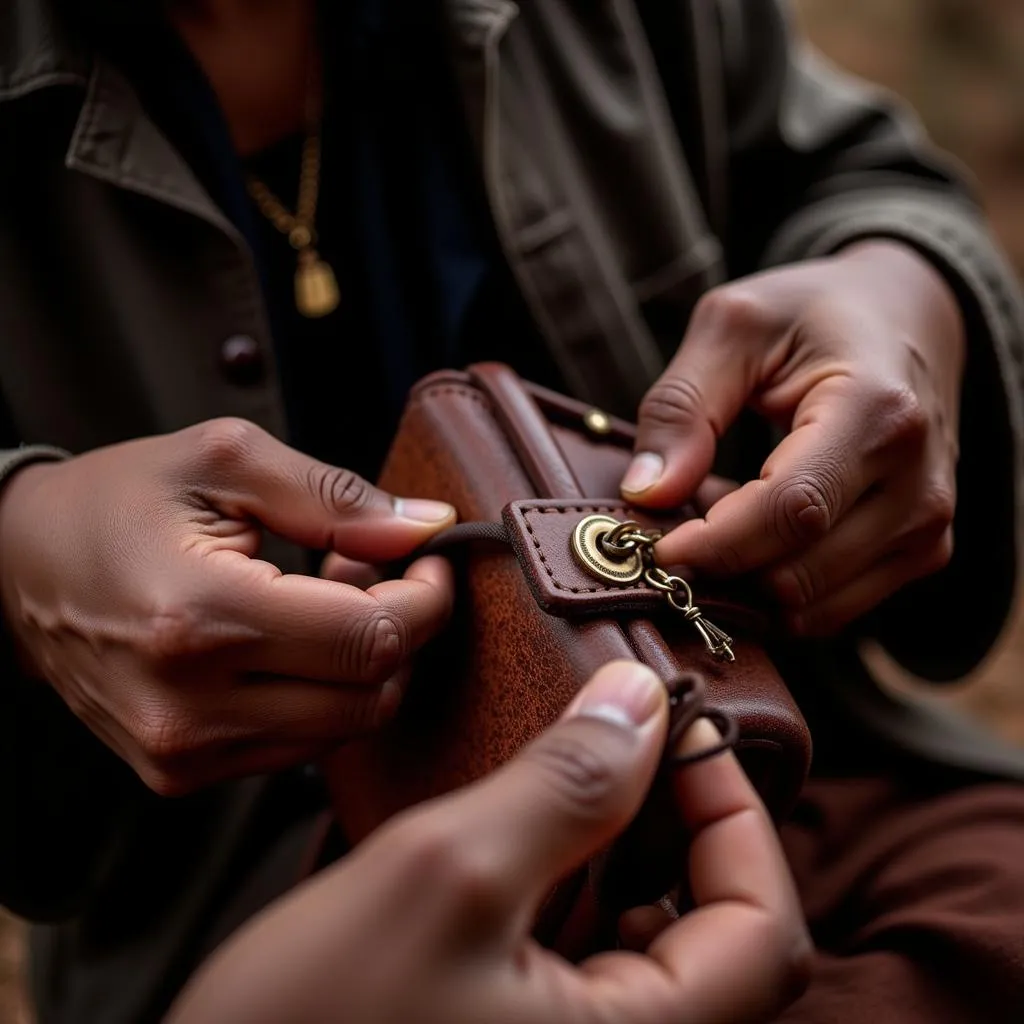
(420, 510)
(643, 473)
(701, 736)
(625, 694)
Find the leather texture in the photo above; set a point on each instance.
(531, 626)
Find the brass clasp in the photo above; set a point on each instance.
(623, 553)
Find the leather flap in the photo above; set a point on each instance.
(541, 530)
(541, 533)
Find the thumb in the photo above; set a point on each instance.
(689, 408)
(310, 502)
(567, 794)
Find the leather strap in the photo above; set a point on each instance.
(465, 533)
(526, 429)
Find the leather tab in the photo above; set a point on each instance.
(541, 533)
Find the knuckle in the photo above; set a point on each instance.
(225, 442)
(816, 624)
(899, 414)
(361, 715)
(165, 784)
(726, 556)
(938, 505)
(672, 401)
(795, 958)
(173, 633)
(460, 870)
(939, 555)
(340, 490)
(373, 648)
(165, 737)
(801, 510)
(80, 701)
(799, 585)
(734, 309)
(579, 776)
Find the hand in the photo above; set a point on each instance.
(129, 580)
(428, 921)
(860, 358)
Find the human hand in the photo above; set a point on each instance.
(428, 921)
(860, 358)
(130, 581)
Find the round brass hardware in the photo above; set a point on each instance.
(586, 546)
(597, 422)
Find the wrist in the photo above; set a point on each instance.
(913, 291)
(19, 503)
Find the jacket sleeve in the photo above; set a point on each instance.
(62, 792)
(818, 160)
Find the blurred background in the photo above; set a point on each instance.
(961, 64)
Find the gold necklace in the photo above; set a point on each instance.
(316, 287)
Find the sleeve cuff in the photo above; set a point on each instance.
(943, 627)
(13, 459)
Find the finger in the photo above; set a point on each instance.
(290, 711)
(747, 912)
(869, 590)
(737, 335)
(507, 840)
(241, 762)
(311, 503)
(639, 927)
(809, 482)
(340, 569)
(316, 629)
(687, 410)
(252, 728)
(711, 491)
(712, 795)
(878, 527)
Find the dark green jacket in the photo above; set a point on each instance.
(628, 172)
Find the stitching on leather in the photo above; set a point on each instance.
(548, 510)
(455, 389)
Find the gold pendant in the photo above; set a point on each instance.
(316, 287)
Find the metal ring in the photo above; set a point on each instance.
(659, 580)
(686, 697)
(673, 597)
(622, 540)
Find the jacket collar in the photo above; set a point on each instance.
(41, 47)
(113, 139)
(38, 49)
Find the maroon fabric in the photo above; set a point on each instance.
(915, 901)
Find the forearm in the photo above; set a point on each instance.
(63, 797)
(61, 790)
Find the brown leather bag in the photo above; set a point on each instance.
(538, 614)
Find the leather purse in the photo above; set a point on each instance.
(556, 577)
